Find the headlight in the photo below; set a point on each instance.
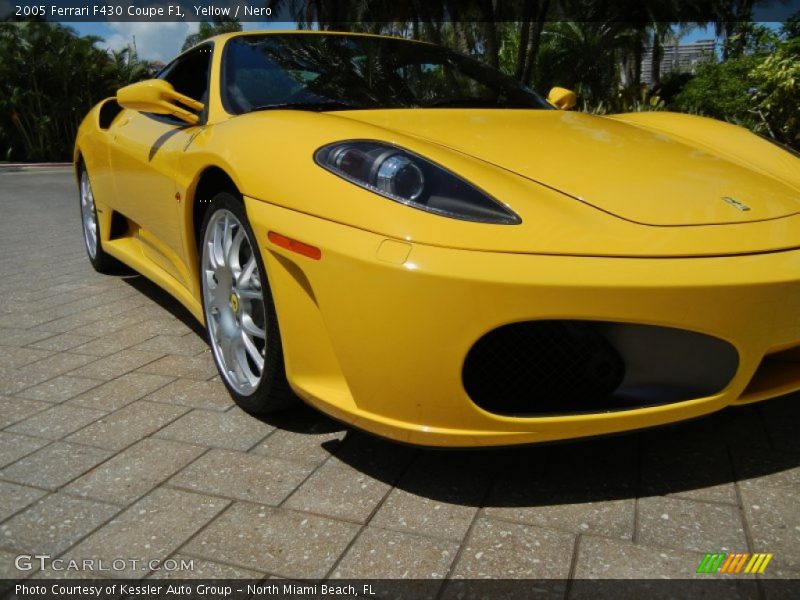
(404, 177)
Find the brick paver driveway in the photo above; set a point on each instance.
(117, 440)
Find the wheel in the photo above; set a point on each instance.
(102, 262)
(240, 314)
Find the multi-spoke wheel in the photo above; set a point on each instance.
(101, 261)
(240, 316)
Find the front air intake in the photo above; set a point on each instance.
(569, 367)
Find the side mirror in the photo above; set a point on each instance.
(159, 97)
(562, 98)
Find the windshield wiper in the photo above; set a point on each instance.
(316, 105)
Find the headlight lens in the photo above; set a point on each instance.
(399, 176)
(404, 177)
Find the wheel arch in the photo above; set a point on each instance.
(209, 181)
(77, 163)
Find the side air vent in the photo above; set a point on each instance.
(108, 112)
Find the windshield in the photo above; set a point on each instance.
(335, 72)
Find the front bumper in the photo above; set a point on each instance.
(375, 332)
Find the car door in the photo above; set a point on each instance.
(144, 158)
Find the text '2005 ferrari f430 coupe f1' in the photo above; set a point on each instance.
(425, 249)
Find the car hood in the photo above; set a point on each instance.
(640, 170)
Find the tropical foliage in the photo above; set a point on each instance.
(596, 48)
(776, 99)
(757, 86)
(49, 78)
(210, 29)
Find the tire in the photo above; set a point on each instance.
(237, 302)
(101, 262)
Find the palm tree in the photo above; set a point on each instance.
(49, 78)
(124, 67)
(579, 55)
(206, 30)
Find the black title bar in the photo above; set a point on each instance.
(377, 11)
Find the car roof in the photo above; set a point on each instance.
(224, 37)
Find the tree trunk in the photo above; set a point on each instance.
(536, 40)
(434, 32)
(637, 62)
(658, 52)
(488, 10)
(430, 26)
(492, 47)
(524, 39)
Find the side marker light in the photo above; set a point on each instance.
(294, 245)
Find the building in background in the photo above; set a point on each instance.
(156, 65)
(681, 58)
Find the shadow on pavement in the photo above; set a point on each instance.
(697, 458)
(700, 459)
(162, 298)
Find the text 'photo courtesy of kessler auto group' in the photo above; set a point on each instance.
(469, 299)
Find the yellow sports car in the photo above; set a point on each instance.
(421, 247)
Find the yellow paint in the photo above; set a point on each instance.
(159, 97)
(392, 251)
(562, 98)
(623, 220)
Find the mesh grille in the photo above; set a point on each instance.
(542, 367)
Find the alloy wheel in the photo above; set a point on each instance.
(88, 216)
(234, 302)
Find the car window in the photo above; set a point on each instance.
(433, 82)
(267, 71)
(189, 74)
